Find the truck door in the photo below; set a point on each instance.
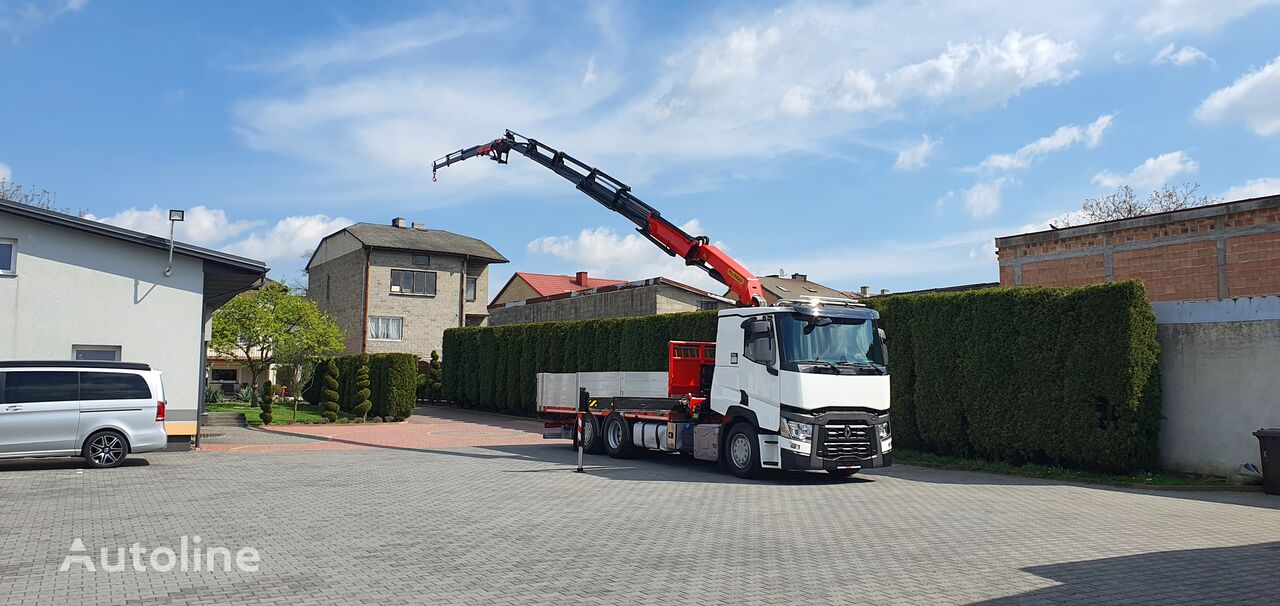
(758, 371)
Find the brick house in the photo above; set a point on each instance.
(525, 285)
(396, 288)
(618, 300)
(1209, 252)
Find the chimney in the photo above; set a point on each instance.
(420, 226)
(884, 291)
(865, 291)
(581, 279)
(398, 222)
(800, 277)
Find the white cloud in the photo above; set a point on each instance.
(983, 199)
(1186, 55)
(1166, 16)
(202, 226)
(1153, 173)
(284, 245)
(6, 173)
(605, 253)
(19, 18)
(916, 156)
(589, 77)
(1267, 186)
(1251, 99)
(1061, 139)
(374, 44)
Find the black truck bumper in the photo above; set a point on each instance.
(841, 440)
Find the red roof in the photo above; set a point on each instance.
(547, 284)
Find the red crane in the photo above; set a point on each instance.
(616, 196)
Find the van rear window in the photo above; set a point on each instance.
(113, 386)
(40, 386)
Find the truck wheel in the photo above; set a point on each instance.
(617, 436)
(742, 451)
(592, 441)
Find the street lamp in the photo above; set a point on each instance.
(174, 217)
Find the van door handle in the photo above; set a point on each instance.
(12, 408)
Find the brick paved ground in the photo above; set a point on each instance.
(509, 523)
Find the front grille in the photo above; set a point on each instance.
(846, 441)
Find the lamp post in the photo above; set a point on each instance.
(174, 217)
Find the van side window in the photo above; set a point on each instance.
(113, 386)
(40, 386)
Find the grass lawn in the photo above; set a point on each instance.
(1163, 478)
(283, 412)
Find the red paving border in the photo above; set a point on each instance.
(428, 428)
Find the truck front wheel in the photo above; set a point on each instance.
(617, 436)
(742, 451)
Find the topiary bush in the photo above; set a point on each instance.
(265, 399)
(1060, 375)
(363, 404)
(331, 396)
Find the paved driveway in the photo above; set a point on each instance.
(510, 523)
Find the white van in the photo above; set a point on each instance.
(101, 411)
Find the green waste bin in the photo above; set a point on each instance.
(1269, 444)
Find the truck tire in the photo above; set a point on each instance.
(617, 437)
(592, 441)
(742, 451)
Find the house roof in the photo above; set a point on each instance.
(781, 287)
(551, 284)
(610, 288)
(425, 240)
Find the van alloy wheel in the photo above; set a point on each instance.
(106, 450)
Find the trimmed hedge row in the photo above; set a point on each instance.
(393, 383)
(496, 367)
(1027, 374)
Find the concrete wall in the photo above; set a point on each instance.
(337, 287)
(1213, 252)
(646, 300)
(516, 290)
(74, 288)
(1220, 367)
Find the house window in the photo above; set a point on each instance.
(386, 329)
(471, 289)
(421, 260)
(8, 257)
(224, 375)
(708, 305)
(103, 353)
(407, 282)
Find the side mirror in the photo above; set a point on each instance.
(883, 337)
(755, 327)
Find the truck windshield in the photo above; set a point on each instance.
(826, 342)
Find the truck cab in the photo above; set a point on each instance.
(809, 378)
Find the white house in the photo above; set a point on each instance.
(75, 289)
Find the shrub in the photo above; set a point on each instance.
(265, 400)
(430, 383)
(343, 421)
(1067, 376)
(376, 420)
(331, 396)
(497, 367)
(363, 404)
(245, 394)
(392, 377)
(212, 394)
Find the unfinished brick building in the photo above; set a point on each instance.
(1211, 252)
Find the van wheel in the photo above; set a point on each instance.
(742, 451)
(592, 441)
(617, 437)
(105, 449)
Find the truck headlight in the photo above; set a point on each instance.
(796, 430)
(882, 430)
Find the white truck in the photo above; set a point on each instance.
(797, 384)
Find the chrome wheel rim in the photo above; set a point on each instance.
(615, 434)
(740, 451)
(106, 449)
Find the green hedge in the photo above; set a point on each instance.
(393, 384)
(1027, 374)
(496, 368)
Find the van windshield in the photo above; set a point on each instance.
(810, 343)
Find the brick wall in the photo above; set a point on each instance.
(1212, 252)
(337, 287)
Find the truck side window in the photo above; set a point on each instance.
(758, 347)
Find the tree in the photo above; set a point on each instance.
(330, 403)
(272, 325)
(362, 403)
(431, 383)
(41, 198)
(264, 403)
(1124, 203)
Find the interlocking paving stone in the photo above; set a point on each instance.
(428, 522)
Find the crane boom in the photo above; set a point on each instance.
(616, 196)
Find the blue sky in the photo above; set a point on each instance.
(879, 142)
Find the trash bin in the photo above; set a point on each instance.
(1269, 444)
